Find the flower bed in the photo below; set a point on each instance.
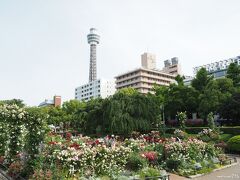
(138, 157)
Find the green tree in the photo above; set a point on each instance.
(209, 100)
(201, 80)
(56, 115)
(180, 99)
(17, 102)
(214, 96)
(179, 79)
(231, 108)
(127, 112)
(94, 116)
(72, 114)
(233, 72)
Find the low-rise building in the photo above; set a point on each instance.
(98, 88)
(56, 101)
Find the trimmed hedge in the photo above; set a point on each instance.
(195, 130)
(231, 130)
(234, 143)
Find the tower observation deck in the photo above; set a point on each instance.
(93, 40)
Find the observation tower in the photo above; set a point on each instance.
(93, 40)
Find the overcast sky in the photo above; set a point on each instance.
(44, 50)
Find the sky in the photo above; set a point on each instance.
(44, 50)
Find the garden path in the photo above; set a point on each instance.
(176, 177)
(232, 172)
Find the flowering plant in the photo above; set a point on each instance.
(208, 135)
(179, 133)
(13, 118)
(90, 158)
(15, 168)
(150, 156)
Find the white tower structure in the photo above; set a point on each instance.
(93, 40)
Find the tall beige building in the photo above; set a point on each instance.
(143, 79)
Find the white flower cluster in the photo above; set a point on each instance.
(206, 132)
(102, 159)
(12, 112)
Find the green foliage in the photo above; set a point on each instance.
(182, 117)
(173, 164)
(135, 162)
(17, 102)
(3, 137)
(135, 112)
(225, 137)
(14, 118)
(209, 100)
(149, 172)
(201, 80)
(36, 129)
(210, 119)
(231, 107)
(233, 73)
(234, 143)
(179, 80)
(180, 99)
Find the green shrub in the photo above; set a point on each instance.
(173, 164)
(225, 137)
(210, 120)
(160, 150)
(234, 143)
(149, 172)
(135, 162)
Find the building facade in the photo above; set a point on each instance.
(143, 79)
(95, 89)
(218, 69)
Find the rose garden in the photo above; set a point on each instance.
(126, 136)
(31, 149)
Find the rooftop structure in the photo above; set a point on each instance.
(218, 69)
(148, 61)
(172, 66)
